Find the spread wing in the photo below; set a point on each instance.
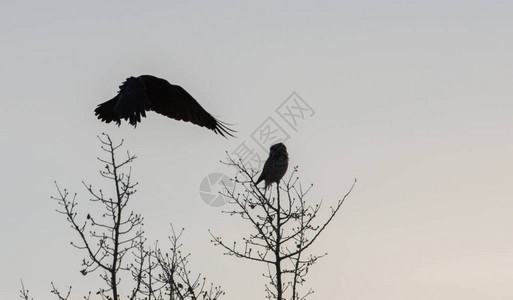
(132, 100)
(175, 102)
(105, 111)
(130, 103)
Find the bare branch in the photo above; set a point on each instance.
(283, 229)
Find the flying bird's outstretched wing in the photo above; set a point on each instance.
(140, 94)
(183, 107)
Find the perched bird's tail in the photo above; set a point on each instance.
(262, 177)
(105, 111)
(267, 184)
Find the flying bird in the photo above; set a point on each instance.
(145, 93)
(275, 166)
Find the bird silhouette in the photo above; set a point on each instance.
(145, 93)
(275, 166)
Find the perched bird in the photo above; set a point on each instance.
(144, 93)
(275, 166)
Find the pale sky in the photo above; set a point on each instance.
(412, 98)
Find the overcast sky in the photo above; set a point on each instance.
(413, 98)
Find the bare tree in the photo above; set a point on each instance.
(284, 226)
(109, 237)
(114, 243)
(165, 275)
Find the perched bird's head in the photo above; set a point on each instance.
(278, 150)
(276, 147)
